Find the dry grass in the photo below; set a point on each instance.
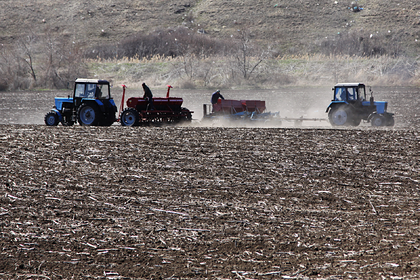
(291, 70)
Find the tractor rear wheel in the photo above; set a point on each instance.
(339, 116)
(355, 121)
(51, 119)
(390, 121)
(88, 115)
(129, 117)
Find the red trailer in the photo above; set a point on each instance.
(167, 110)
(246, 111)
(226, 106)
(237, 109)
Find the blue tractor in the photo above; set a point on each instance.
(90, 105)
(349, 107)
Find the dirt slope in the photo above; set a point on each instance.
(287, 23)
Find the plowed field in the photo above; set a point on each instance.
(211, 202)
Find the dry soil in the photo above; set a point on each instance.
(210, 202)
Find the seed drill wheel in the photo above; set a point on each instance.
(51, 119)
(129, 117)
(88, 115)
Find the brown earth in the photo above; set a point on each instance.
(153, 203)
(210, 202)
(287, 24)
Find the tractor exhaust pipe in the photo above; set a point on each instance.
(371, 97)
(204, 110)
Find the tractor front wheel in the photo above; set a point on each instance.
(51, 119)
(378, 120)
(88, 115)
(129, 117)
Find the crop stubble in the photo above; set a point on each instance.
(189, 202)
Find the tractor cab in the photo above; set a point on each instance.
(349, 107)
(91, 104)
(90, 89)
(349, 92)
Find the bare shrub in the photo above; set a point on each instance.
(62, 63)
(245, 50)
(187, 85)
(274, 80)
(13, 69)
(208, 72)
(26, 53)
(361, 43)
(40, 61)
(171, 42)
(6, 72)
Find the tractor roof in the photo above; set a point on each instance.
(349, 84)
(92, 81)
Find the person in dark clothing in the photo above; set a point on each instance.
(215, 96)
(148, 96)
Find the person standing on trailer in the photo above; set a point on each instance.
(215, 97)
(148, 96)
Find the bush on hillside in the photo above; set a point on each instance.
(168, 43)
(40, 61)
(362, 44)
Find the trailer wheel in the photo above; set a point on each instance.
(188, 116)
(129, 117)
(51, 119)
(88, 115)
(338, 116)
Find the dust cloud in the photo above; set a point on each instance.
(289, 102)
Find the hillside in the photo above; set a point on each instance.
(281, 23)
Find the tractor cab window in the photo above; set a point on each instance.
(340, 94)
(362, 93)
(90, 90)
(352, 93)
(101, 91)
(80, 90)
(85, 90)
